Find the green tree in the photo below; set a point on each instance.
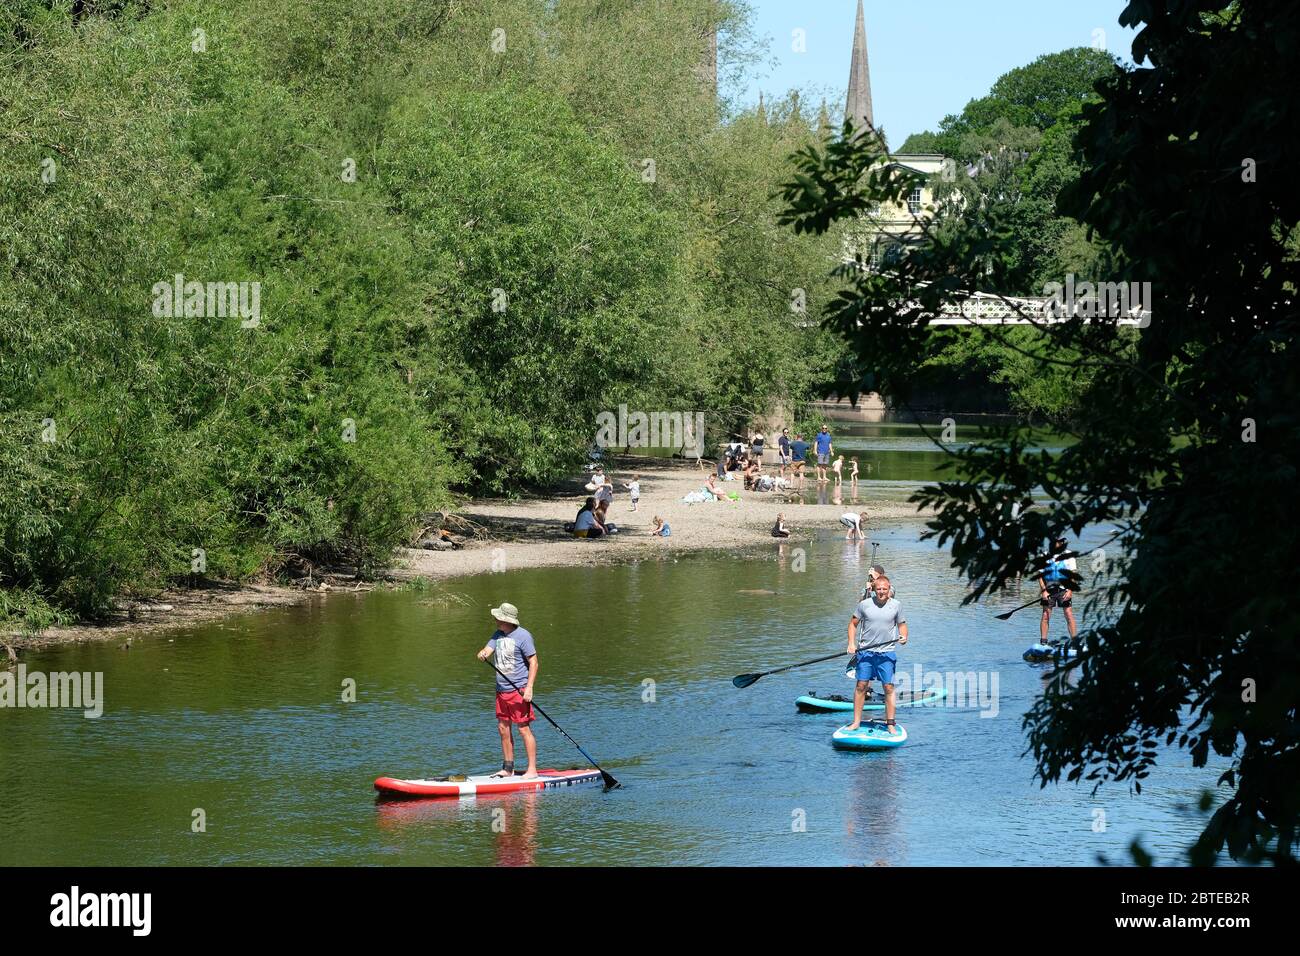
(1188, 442)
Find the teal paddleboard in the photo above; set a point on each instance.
(814, 703)
(1056, 651)
(870, 736)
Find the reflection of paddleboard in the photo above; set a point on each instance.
(394, 789)
(814, 703)
(870, 736)
(1040, 653)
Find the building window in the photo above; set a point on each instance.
(914, 201)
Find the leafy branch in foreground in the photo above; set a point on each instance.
(1188, 438)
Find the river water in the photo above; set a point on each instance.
(242, 725)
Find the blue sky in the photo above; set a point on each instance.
(928, 59)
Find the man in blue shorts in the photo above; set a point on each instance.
(823, 452)
(878, 623)
(798, 454)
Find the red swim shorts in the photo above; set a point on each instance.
(512, 707)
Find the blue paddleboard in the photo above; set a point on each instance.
(814, 703)
(1060, 651)
(870, 736)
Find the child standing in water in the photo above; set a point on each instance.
(836, 467)
(853, 475)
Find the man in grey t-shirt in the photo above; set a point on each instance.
(877, 623)
(514, 655)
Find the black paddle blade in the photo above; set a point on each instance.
(744, 680)
(610, 782)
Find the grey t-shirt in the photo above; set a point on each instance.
(511, 657)
(878, 624)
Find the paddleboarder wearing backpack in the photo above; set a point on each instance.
(878, 623)
(514, 655)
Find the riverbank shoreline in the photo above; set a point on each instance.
(511, 535)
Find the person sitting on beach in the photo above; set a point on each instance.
(752, 471)
(711, 487)
(602, 518)
(661, 528)
(779, 530)
(587, 524)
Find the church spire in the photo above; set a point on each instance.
(858, 108)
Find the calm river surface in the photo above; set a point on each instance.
(244, 721)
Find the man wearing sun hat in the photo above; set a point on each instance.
(514, 655)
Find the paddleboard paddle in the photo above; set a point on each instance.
(1006, 616)
(610, 782)
(744, 680)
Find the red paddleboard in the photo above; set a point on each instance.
(393, 788)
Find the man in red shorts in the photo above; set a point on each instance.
(514, 655)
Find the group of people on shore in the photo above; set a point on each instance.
(737, 462)
(593, 521)
(593, 517)
(796, 453)
(793, 455)
(746, 464)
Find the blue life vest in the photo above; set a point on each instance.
(1055, 572)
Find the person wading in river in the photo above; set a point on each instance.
(873, 624)
(514, 655)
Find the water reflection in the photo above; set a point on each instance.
(512, 819)
(872, 820)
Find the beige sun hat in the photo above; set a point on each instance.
(507, 613)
